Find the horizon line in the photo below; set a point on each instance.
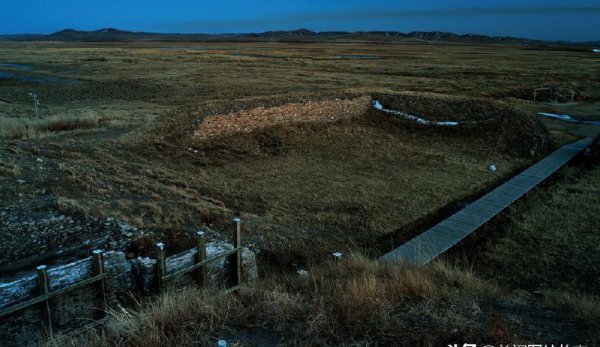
(294, 30)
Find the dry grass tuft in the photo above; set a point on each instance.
(357, 302)
(583, 306)
(10, 168)
(31, 128)
(72, 207)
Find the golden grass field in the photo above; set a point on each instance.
(341, 184)
(152, 77)
(117, 138)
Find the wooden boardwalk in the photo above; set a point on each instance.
(435, 241)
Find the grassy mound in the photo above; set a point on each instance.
(492, 124)
(303, 188)
(511, 131)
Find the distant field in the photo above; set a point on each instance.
(329, 186)
(127, 84)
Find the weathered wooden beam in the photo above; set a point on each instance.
(196, 266)
(42, 281)
(66, 278)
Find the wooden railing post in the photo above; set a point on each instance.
(98, 268)
(161, 266)
(236, 258)
(337, 257)
(200, 257)
(42, 280)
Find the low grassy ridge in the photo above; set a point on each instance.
(337, 175)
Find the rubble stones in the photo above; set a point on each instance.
(247, 121)
(28, 235)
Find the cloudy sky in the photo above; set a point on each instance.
(574, 20)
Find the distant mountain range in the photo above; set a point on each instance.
(300, 35)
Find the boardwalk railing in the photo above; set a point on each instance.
(435, 241)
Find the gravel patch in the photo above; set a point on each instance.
(248, 121)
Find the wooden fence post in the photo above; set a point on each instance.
(337, 257)
(42, 279)
(98, 268)
(236, 259)
(200, 257)
(161, 265)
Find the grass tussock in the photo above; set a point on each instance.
(582, 306)
(10, 169)
(72, 207)
(31, 128)
(358, 302)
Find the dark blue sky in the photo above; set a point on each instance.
(575, 20)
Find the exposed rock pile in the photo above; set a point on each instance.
(57, 235)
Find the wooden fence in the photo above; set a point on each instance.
(99, 277)
(200, 267)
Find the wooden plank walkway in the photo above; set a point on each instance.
(435, 241)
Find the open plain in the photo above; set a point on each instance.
(175, 137)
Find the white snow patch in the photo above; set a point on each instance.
(303, 273)
(596, 50)
(567, 118)
(415, 119)
(559, 116)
